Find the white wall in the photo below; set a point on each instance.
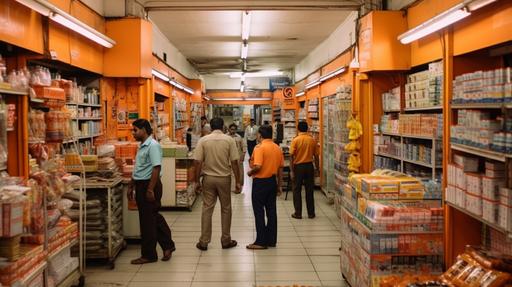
(222, 82)
(175, 58)
(341, 39)
(399, 4)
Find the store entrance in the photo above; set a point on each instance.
(241, 115)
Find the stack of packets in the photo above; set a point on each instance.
(482, 193)
(389, 229)
(181, 178)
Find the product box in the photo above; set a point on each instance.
(494, 165)
(451, 194)
(491, 188)
(460, 178)
(505, 216)
(490, 210)
(469, 164)
(474, 203)
(380, 184)
(411, 188)
(460, 197)
(474, 183)
(506, 196)
(12, 219)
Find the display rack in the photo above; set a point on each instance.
(178, 187)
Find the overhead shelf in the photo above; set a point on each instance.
(498, 156)
(13, 92)
(481, 106)
(432, 108)
(410, 136)
(84, 104)
(421, 163)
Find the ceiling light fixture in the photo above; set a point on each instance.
(448, 17)
(242, 88)
(45, 8)
(242, 77)
(188, 90)
(263, 74)
(206, 98)
(300, 94)
(181, 86)
(245, 50)
(159, 75)
(246, 25)
(333, 74)
(312, 84)
(241, 99)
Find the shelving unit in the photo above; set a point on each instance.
(178, 187)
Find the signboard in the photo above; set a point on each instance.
(278, 83)
(289, 100)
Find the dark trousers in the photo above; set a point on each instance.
(304, 174)
(153, 227)
(264, 192)
(250, 146)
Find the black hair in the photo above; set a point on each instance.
(253, 120)
(143, 124)
(203, 118)
(265, 131)
(217, 124)
(233, 125)
(303, 127)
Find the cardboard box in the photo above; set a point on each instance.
(490, 210)
(474, 203)
(460, 178)
(505, 216)
(381, 184)
(460, 197)
(469, 164)
(474, 183)
(491, 188)
(12, 219)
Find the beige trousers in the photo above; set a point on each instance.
(242, 175)
(216, 187)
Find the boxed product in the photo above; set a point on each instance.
(474, 183)
(491, 188)
(505, 216)
(460, 178)
(411, 188)
(12, 218)
(460, 197)
(474, 203)
(380, 184)
(469, 164)
(490, 210)
(451, 194)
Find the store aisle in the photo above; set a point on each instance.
(307, 252)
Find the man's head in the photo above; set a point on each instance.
(303, 127)
(253, 122)
(277, 120)
(141, 129)
(204, 121)
(265, 132)
(217, 124)
(232, 129)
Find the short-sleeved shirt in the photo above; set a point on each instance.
(239, 145)
(148, 156)
(269, 156)
(216, 150)
(251, 132)
(303, 148)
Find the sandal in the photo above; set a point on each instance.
(256, 247)
(231, 244)
(168, 254)
(142, 260)
(296, 216)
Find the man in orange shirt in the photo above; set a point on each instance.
(266, 169)
(303, 151)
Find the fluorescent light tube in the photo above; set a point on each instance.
(242, 77)
(228, 99)
(189, 90)
(255, 74)
(477, 4)
(242, 88)
(245, 50)
(435, 24)
(333, 74)
(39, 8)
(300, 94)
(313, 84)
(159, 75)
(206, 98)
(246, 25)
(258, 99)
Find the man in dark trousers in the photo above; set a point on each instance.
(303, 151)
(216, 156)
(148, 192)
(250, 135)
(266, 169)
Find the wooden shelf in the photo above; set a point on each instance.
(84, 105)
(410, 136)
(389, 155)
(14, 92)
(498, 156)
(33, 274)
(421, 163)
(477, 217)
(58, 251)
(432, 108)
(88, 119)
(479, 106)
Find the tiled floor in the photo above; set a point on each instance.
(306, 253)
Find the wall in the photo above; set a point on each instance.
(399, 4)
(98, 5)
(213, 82)
(174, 57)
(340, 40)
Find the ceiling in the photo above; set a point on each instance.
(282, 32)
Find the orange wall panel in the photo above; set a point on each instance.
(131, 56)
(21, 26)
(379, 49)
(58, 42)
(426, 50)
(161, 87)
(328, 88)
(85, 53)
(473, 32)
(427, 9)
(341, 61)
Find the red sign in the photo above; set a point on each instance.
(289, 98)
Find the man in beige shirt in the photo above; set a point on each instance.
(216, 156)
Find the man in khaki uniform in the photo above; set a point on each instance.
(216, 155)
(241, 150)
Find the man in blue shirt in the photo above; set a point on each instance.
(148, 193)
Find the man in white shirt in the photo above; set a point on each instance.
(251, 135)
(205, 126)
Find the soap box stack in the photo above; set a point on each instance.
(479, 192)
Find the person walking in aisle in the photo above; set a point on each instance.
(206, 129)
(251, 133)
(216, 155)
(303, 151)
(241, 151)
(266, 169)
(148, 193)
